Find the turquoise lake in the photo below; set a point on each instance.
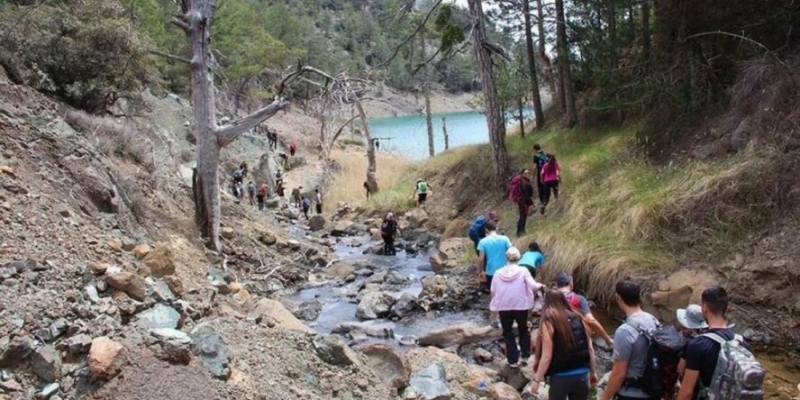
(408, 135)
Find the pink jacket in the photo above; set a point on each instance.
(512, 289)
(550, 176)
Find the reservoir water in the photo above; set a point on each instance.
(408, 135)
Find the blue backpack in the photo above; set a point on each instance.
(476, 228)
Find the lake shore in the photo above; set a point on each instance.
(392, 103)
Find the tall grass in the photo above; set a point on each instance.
(348, 182)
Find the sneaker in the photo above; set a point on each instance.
(525, 360)
(514, 365)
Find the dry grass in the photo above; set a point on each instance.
(347, 185)
(114, 138)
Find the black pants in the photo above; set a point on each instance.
(550, 189)
(319, 208)
(523, 218)
(569, 387)
(305, 212)
(388, 245)
(620, 397)
(540, 187)
(507, 319)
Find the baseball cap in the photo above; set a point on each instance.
(563, 279)
(691, 317)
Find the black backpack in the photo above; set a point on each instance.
(664, 346)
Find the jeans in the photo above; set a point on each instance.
(261, 205)
(569, 387)
(507, 319)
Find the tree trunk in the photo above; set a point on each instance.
(536, 96)
(494, 119)
(564, 66)
(548, 65)
(372, 182)
(427, 90)
(646, 31)
(520, 110)
(446, 137)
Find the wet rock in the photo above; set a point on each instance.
(133, 285)
(395, 278)
(160, 316)
(98, 268)
(48, 391)
(161, 261)
(378, 278)
(483, 355)
(227, 232)
(334, 351)
(161, 292)
(309, 310)
(141, 251)
(275, 311)
(375, 305)
(316, 223)
(459, 335)
(219, 279)
(15, 349)
(417, 218)
(390, 366)
(408, 340)
(212, 351)
(346, 228)
(429, 383)
(176, 346)
(79, 344)
(406, 305)
(375, 248)
(504, 391)
(340, 270)
(433, 286)
(381, 331)
(46, 363)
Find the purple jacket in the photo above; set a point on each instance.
(512, 289)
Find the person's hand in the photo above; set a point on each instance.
(482, 276)
(593, 380)
(535, 387)
(610, 342)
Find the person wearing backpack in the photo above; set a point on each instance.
(718, 359)
(478, 229)
(631, 348)
(524, 201)
(261, 196)
(565, 285)
(539, 160)
(251, 193)
(551, 176)
(389, 229)
(564, 351)
(421, 190)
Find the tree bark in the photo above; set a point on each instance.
(372, 182)
(520, 111)
(646, 31)
(565, 74)
(535, 95)
(548, 65)
(446, 137)
(494, 119)
(427, 90)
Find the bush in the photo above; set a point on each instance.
(85, 52)
(114, 138)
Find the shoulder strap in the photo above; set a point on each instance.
(715, 337)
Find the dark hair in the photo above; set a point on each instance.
(533, 246)
(556, 312)
(551, 164)
(490, 226)
(629, 292)
(716, 299)
(537, 147)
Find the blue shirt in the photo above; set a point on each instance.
(532, 259)
(494, 247)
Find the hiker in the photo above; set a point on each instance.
(491, 254)
(693, 323)
(273, 139)
(533, 259)
(238, 175)
(251, 192)
(512, 296)
(243, 167)
(306, 204)
(292, 148)
(703, 378)
(421, 189)
(318, 200)
(296, 196)
(278, 178)
(524, 200)
(389, 229)
(280, 190)
(564, 351)
(539, 160)
(478, 229)
(630, 346)
(239, 191)
(551, 176)
(565, 285)
(261, 196)
(366, 188)
(284, 160)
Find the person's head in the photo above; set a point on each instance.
(300, 187)
(556, 312)
(316, 190)
(628, 295)
(493, 217)
(537, 147)
(533, 246)
(512, 255)
(714, 302)
(390, 216)
(491, 226)
(691, 317)
(563, 280)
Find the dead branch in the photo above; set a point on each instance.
(171, 56)
(180, 24)
(410, 37)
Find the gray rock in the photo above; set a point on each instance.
(334, 351)
(212, 351)
(161, 292)
(176, 346)
(381, 331)
(49, 390)
(79, 344)
(11, 386)
(459, 335)
(46, 363)
(378, 277)
(308, 310)
(387, 363)
(58, 328)
(405, 306)
(219, 279)
(13, 350)
(4, 375)
(91, 294)
(160, 316)
(316, 223)
(101, 285)
(273, 202)
(374, 305)
(430, 383)
(395, 278)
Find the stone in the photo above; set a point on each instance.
(340, 270)
(10, 386)
(375, 305)
(381, 331)
(517, 378)
(115, 244)
(15, 349)
(243, 299)
(417, 218)
(91, 294)
(98, 268)
(316, 223)
(405, 306)
(309, 310)
(478, 385)
(235, 287)
(160, 316)
(49, 390)
(482, 355)
(458, 227)
(268, 238)
(128, 244)
(390, 366)
(345, 228)
(106, 358)
(175, 285)
(459, 335)
(450, 252)
(162, 292)
(79, 344)
(503, 391)
(219, 279)
(227, 232)
(268, 308)
(141, 251)
(161, 261)
(176, 346)
(212, 350)
(58, 328)
(133, 285)
(46, 363)
(332, 350)
(430, 383)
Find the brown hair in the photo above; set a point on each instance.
(556, 312)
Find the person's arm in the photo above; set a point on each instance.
(690, 378)
(547, 356)
(681, 366)
(592, 360)
(623, 346)
(597, 328)
(481, 260)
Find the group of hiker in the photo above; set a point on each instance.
(548, 176)
(705, 360)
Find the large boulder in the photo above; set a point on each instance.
(451, 251)
(106, 358)
(405, 306)
(429, 383)
(417, 218)
(340, 270)
(274, 310)
(459, 335)
(46, 363)
(161, 261)
(458, 227)
(503, 391)
(175, 346)
(133, 285)
(375, 305)
(308, 310)
(316, 222)
(390, 366)
(212, 350)
(334, 351)
(677, 291)
(346, 228)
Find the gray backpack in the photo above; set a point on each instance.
(738, 375)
